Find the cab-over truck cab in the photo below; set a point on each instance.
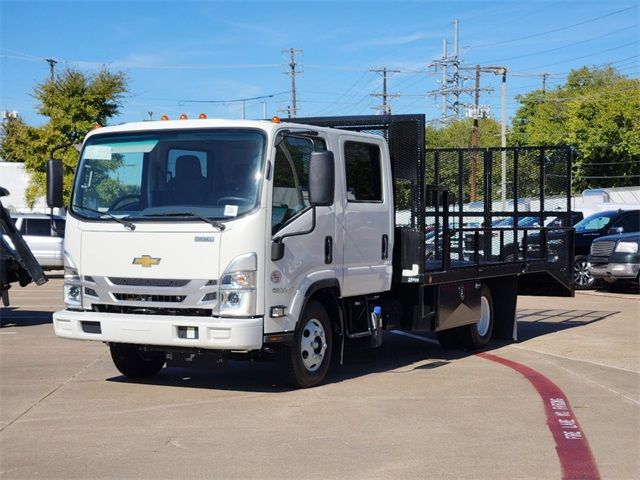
(197, 236)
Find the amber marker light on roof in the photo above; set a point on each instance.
(275, 119)
(164, 117)
(202, 116)
(96, 125)
(183, 116)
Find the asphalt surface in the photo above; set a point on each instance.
(407, 410)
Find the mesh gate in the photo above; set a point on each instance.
(506, 205)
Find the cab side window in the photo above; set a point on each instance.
(291, 178)
(364, 173)
(630, 223)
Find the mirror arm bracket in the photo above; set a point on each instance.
(277, 247)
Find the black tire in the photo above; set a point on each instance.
(478, 335)
(296, 362)
(582, 278)
(131, 362)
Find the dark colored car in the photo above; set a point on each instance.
(615, 258)
(595, 226)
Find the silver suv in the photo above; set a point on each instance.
(45, 243)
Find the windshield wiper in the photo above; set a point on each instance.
(218, 225)
(128, 225)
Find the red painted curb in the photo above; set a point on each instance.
(572, 447)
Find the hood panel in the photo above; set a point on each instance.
(181, 255)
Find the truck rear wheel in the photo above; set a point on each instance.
(305, 362)
(130, 361)
(476, 335)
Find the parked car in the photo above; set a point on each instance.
(595, 226)
(615, 258)
(45, 242)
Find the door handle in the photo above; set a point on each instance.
(385, 246)
(328, 250)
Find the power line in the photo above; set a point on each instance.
(586, 56)
(517, 57)
(566, 27)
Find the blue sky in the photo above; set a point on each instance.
(175, 51)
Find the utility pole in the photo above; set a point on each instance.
(545, 75)
(386, 109)
(443, 106)
(52, 64)
(474, 137)
(293, 109)
(456, 67)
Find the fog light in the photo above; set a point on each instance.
(233, 299)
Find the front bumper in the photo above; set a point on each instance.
(614, 270)
(239, 334)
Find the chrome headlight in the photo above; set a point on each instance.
(238, 287)
(72, 284)
(627, 247)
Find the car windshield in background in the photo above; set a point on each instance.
(213, 174)
(595, 222)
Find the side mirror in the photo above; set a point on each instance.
(615, 230)
(54, 183)
(321, 179)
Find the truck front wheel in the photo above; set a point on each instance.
(130, 361)
(305, 362)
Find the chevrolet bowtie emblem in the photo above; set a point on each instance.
(146, 261)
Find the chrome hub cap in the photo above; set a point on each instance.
(313, 345)
(581, 275)
(485, 317)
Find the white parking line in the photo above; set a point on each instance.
(415, 337)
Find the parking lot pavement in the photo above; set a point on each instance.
(407, 410)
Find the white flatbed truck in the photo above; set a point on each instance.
(200, 239)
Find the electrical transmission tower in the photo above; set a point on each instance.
(293, 68)
(451, 81)
(385, 107)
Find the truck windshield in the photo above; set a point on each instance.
(595, 222)
(212, 174)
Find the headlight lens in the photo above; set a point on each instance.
(238, 287)
(238, 280)
(627, 247)
(72, 288)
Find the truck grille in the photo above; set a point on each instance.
(141, 297)
(190, 312)
(602, 249)
(147, 282)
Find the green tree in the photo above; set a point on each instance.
(458, 134)
(74, 103)
(598, 112)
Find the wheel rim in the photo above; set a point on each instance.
(581, 275)
(313, 345)
(485, 317)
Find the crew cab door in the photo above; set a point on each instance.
(367, 215)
